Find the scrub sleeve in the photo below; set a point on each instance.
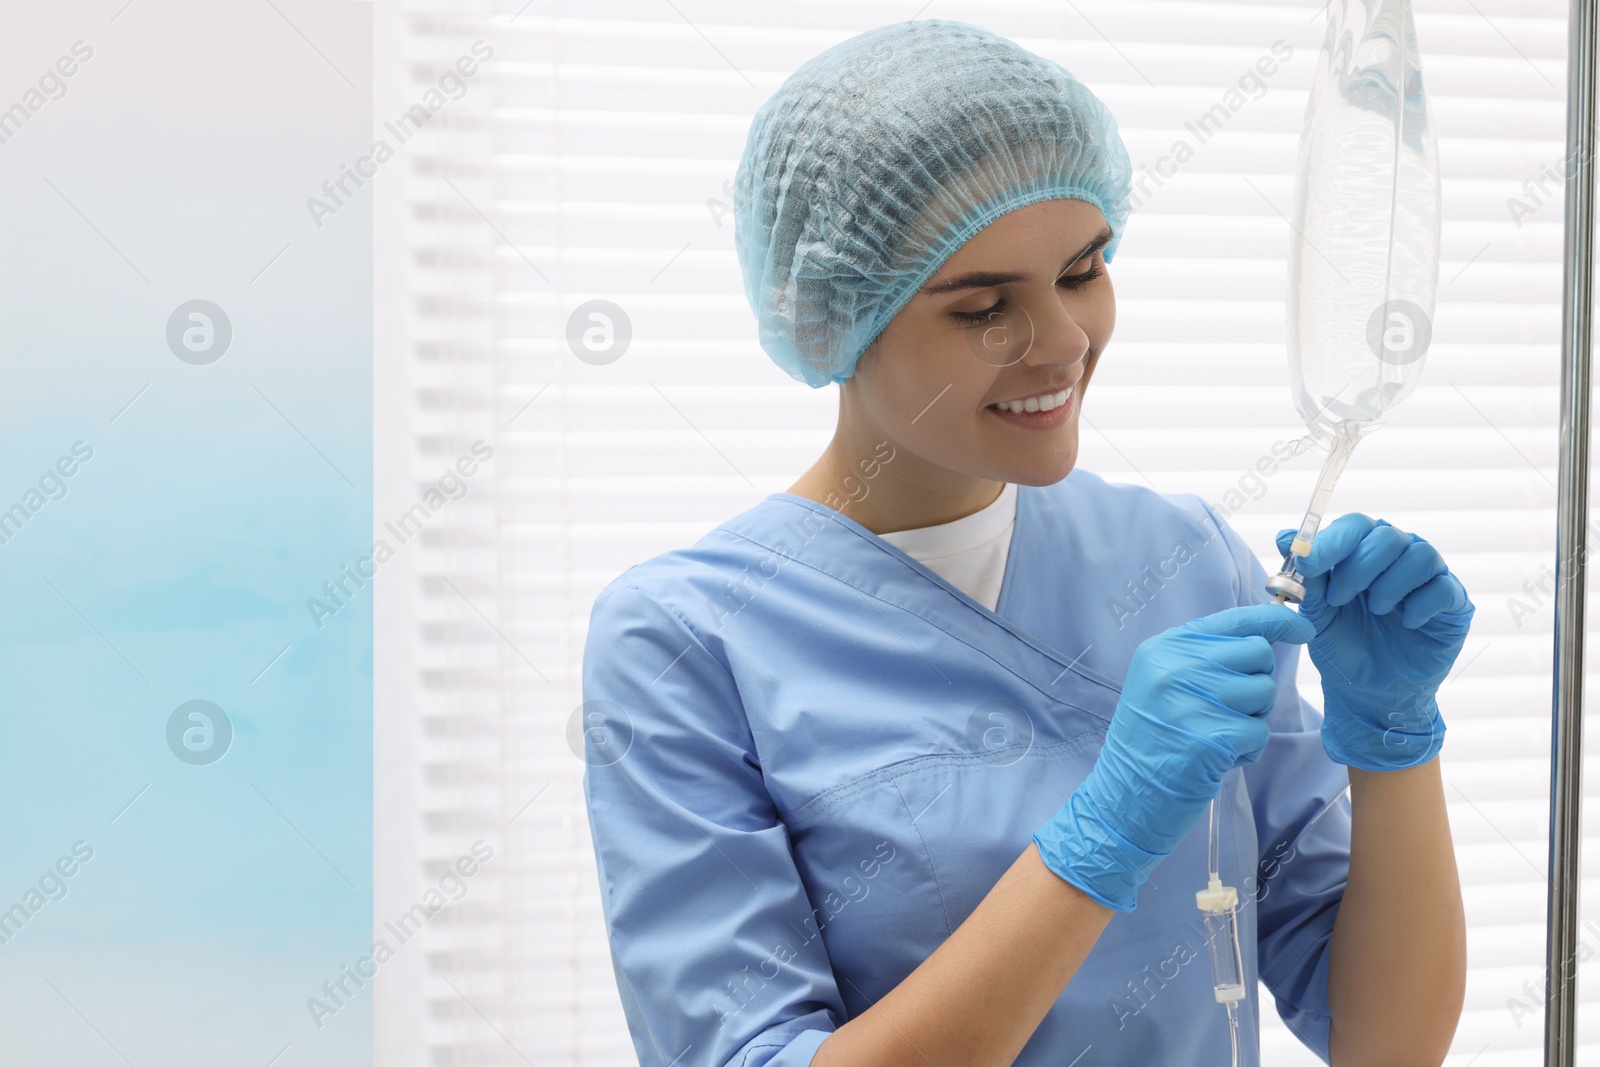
(696, 874)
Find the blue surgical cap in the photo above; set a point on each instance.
(876, 160)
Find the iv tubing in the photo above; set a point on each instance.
(1285, 585)
(1213, 902)
(1219, 904)
(1338, 455)
(1211, 839)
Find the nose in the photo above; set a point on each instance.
(1057, 336)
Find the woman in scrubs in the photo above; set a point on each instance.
(910, 763)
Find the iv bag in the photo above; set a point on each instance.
(1364, 258)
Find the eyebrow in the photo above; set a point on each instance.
(986, 279)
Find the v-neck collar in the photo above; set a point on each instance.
(1058, 675)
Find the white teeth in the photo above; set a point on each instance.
(1035, 403)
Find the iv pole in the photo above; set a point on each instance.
(1566, 732)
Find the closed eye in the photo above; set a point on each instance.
(1078, 281)
(1068, 281)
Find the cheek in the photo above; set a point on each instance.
(933, 379)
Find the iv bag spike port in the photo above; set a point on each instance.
(1285, 585)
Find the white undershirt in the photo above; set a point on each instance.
(969, 553)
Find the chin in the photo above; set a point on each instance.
(1049, 477)
(1040, 470)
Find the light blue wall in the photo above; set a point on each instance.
(177, 564)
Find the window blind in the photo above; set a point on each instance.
(591, 159)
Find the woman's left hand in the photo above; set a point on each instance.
(1390, 619)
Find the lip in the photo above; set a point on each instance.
(1039, 420)
(1041, 393)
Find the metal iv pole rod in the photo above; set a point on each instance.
(1572, 511)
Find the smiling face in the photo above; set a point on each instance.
(1023, 309)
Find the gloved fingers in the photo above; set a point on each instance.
(1253, 737)
(1247, 737)
(1333, 543)
(1442, 594)
(1380, 547)
(1314, 606)
(1249, 695)
(1416, 565)
(1254, 695)
(1275, 622)
(1239, 739)
(1250, 654)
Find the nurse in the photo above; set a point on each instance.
(910, 763)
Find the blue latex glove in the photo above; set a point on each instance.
(1390, 619)
(1193, 707)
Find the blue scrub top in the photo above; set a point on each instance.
(809, 757)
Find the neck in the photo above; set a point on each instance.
(885, 488)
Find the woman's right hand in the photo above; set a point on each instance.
(1193, 707)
